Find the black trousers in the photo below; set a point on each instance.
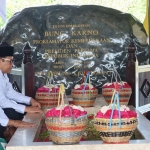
(2, 129)
(11, 114)
(148, 115)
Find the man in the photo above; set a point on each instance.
(14, 104)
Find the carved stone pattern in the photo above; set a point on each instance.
(145, 88)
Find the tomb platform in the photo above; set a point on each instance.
(24, 138)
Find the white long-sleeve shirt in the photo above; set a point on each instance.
(3, 118)
(9, 97)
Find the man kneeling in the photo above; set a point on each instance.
(13, 103)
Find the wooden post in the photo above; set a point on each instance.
(130, 71)
(28, 71)
(149, 21)
(149, 28)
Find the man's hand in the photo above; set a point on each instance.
(35, 103)
(13, 124)
(19, 123)
(33, 109)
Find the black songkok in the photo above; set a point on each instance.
(6, 50)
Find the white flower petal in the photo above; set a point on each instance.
(77, 86)
(104, 109)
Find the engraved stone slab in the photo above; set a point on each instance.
(69, 40)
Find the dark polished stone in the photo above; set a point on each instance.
(69, 40)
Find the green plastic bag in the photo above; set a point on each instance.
(3, 144)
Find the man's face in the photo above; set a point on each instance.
(6, 64)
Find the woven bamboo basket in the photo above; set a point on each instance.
(85, 100)
(124, 95)
(47, 100)
(115, 134)
(69, 131)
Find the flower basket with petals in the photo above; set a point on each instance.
(48, 95)
(124, 89)
(84, 94)
(66, 123)
(115, 123)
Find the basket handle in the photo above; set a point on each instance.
(61, 97)
(84, 76)
(86, 81)
(49, 80)
(116, 75)
(116, 101)
(61, 94)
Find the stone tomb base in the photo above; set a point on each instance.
(24, 139)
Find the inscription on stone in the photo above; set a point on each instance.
(69, 40)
